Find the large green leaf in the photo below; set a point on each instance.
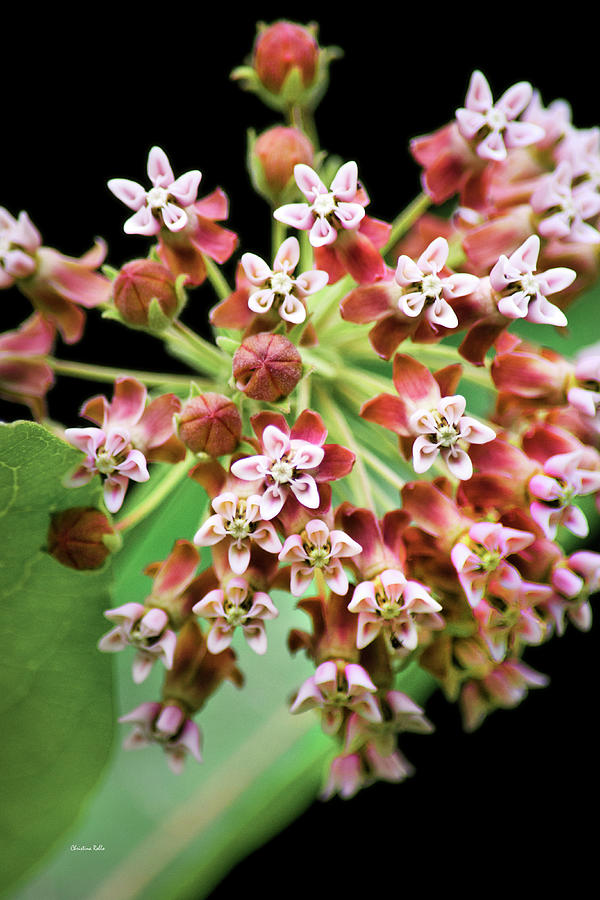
(55, 688)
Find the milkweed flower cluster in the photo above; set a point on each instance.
(417, 500)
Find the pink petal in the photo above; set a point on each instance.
(345, 184)
(185, 188)
(177, 571)
(142, 222)
(458, 462)
(159, 170)
(256, 269)
(128, 192)
(434, 256)
(287, 256)
(298, 215)
(305, 491)
(479, 96)
(309, 182)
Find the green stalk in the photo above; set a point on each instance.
(155, 497)
(406, 218)
(92, 372)
(362, 484)
(216, 278)
(198, 351)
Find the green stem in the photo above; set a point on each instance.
(198, 351)
(92, 372)
(216, 278)
(359, 475)
(406, 218)
(155, 497)
(278, 233)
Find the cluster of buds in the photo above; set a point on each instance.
(464, 560)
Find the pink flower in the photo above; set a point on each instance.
(278, 286)
(233, 606)
(326, 210)
(481, 558)
(145, 629)
(130, 434)
(428, 285)
(437, 423)
(585, 396)
(56, 285)
(344, 238)
(504, 687)
(168, 726)
(238, 521)
(396, 606)
(165, 202)
(523, 293)
(574, 582)
(563, 479)
(565, 207)
(25, 375)
(334, 687)
(318, 548)
(292, 462)
(492, 127)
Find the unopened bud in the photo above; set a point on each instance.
(282, 48)
(145, 294)
(81, 538)
(273, 156)
(210, 423)
(267, 367)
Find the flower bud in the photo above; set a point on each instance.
(144, 294)
(210, 423)
(81, 538)
(272, 159)
(267, 367)
(282, 48)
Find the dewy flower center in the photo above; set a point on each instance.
(529, 284)
(496, 119)
(281, 283)
(157, 197)
(324, 205)
(282, 471)
(431, 286)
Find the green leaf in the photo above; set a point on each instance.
(55, 688)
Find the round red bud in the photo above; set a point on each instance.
(81, 537)
(267, 367)
(137, 284)
(278, 150)
(210, 423)
(282, 47)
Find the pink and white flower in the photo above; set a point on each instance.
(293, 462)
(524, 293)
(232, 606)
(428, 285)
(436, 422)
(164, 203)
(326, 210)
(480, 558)
(238, 521)
(445, 430)
(493, 126)
(278, 287)
(334, 688)
(318, 547)
(131, 433)
(168, 726)
(563, 479)
(565, 208)
(574, 582)
(145, 629)
(396, 606)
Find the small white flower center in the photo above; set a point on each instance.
(105, 463)
(324, 205)
(282, 471)
(156, 198)
(496, 119)
(281, 283)
(431, 286)
(529, 284)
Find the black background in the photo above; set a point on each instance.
(85, 97)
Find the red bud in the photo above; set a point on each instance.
(282, 47)
(278, 150)
(210, 423)
(76, 537)
(137, 284)
(267, 367)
